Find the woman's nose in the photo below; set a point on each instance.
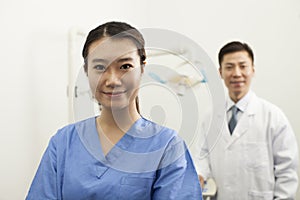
(112, 79)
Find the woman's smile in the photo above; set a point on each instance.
(115, 94)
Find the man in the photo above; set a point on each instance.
(256, 156)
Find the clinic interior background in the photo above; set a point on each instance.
(34, 61)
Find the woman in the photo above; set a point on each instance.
(119, 154)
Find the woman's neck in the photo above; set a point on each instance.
(121, 119)
(113, 125)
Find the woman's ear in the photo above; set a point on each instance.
(142, 66)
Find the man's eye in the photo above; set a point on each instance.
(126, 66)
(99, 67)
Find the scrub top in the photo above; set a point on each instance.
(149, 162)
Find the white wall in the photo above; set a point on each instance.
(34, 61)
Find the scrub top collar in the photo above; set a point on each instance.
(88, 135)
(123, 155)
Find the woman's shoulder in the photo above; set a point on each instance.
(147, 128)
(71, 130)
(156, 133)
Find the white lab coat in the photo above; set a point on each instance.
(260, 159)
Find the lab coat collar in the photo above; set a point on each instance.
(241, 104)
(244, 123)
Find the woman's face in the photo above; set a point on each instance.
(114, 72)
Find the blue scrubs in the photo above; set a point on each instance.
(149, 162)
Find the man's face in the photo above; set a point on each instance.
(237, 71)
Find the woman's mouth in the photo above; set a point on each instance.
(114, 93)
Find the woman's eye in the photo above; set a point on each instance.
(99, 67)
(126, 66)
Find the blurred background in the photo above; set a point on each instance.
(34, 61)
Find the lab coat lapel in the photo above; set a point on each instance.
(216, 130)
(243, 125)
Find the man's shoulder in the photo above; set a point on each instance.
(266, 104)
(267, 108)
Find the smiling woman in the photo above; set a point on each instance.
(115, 74)
(118, 154)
